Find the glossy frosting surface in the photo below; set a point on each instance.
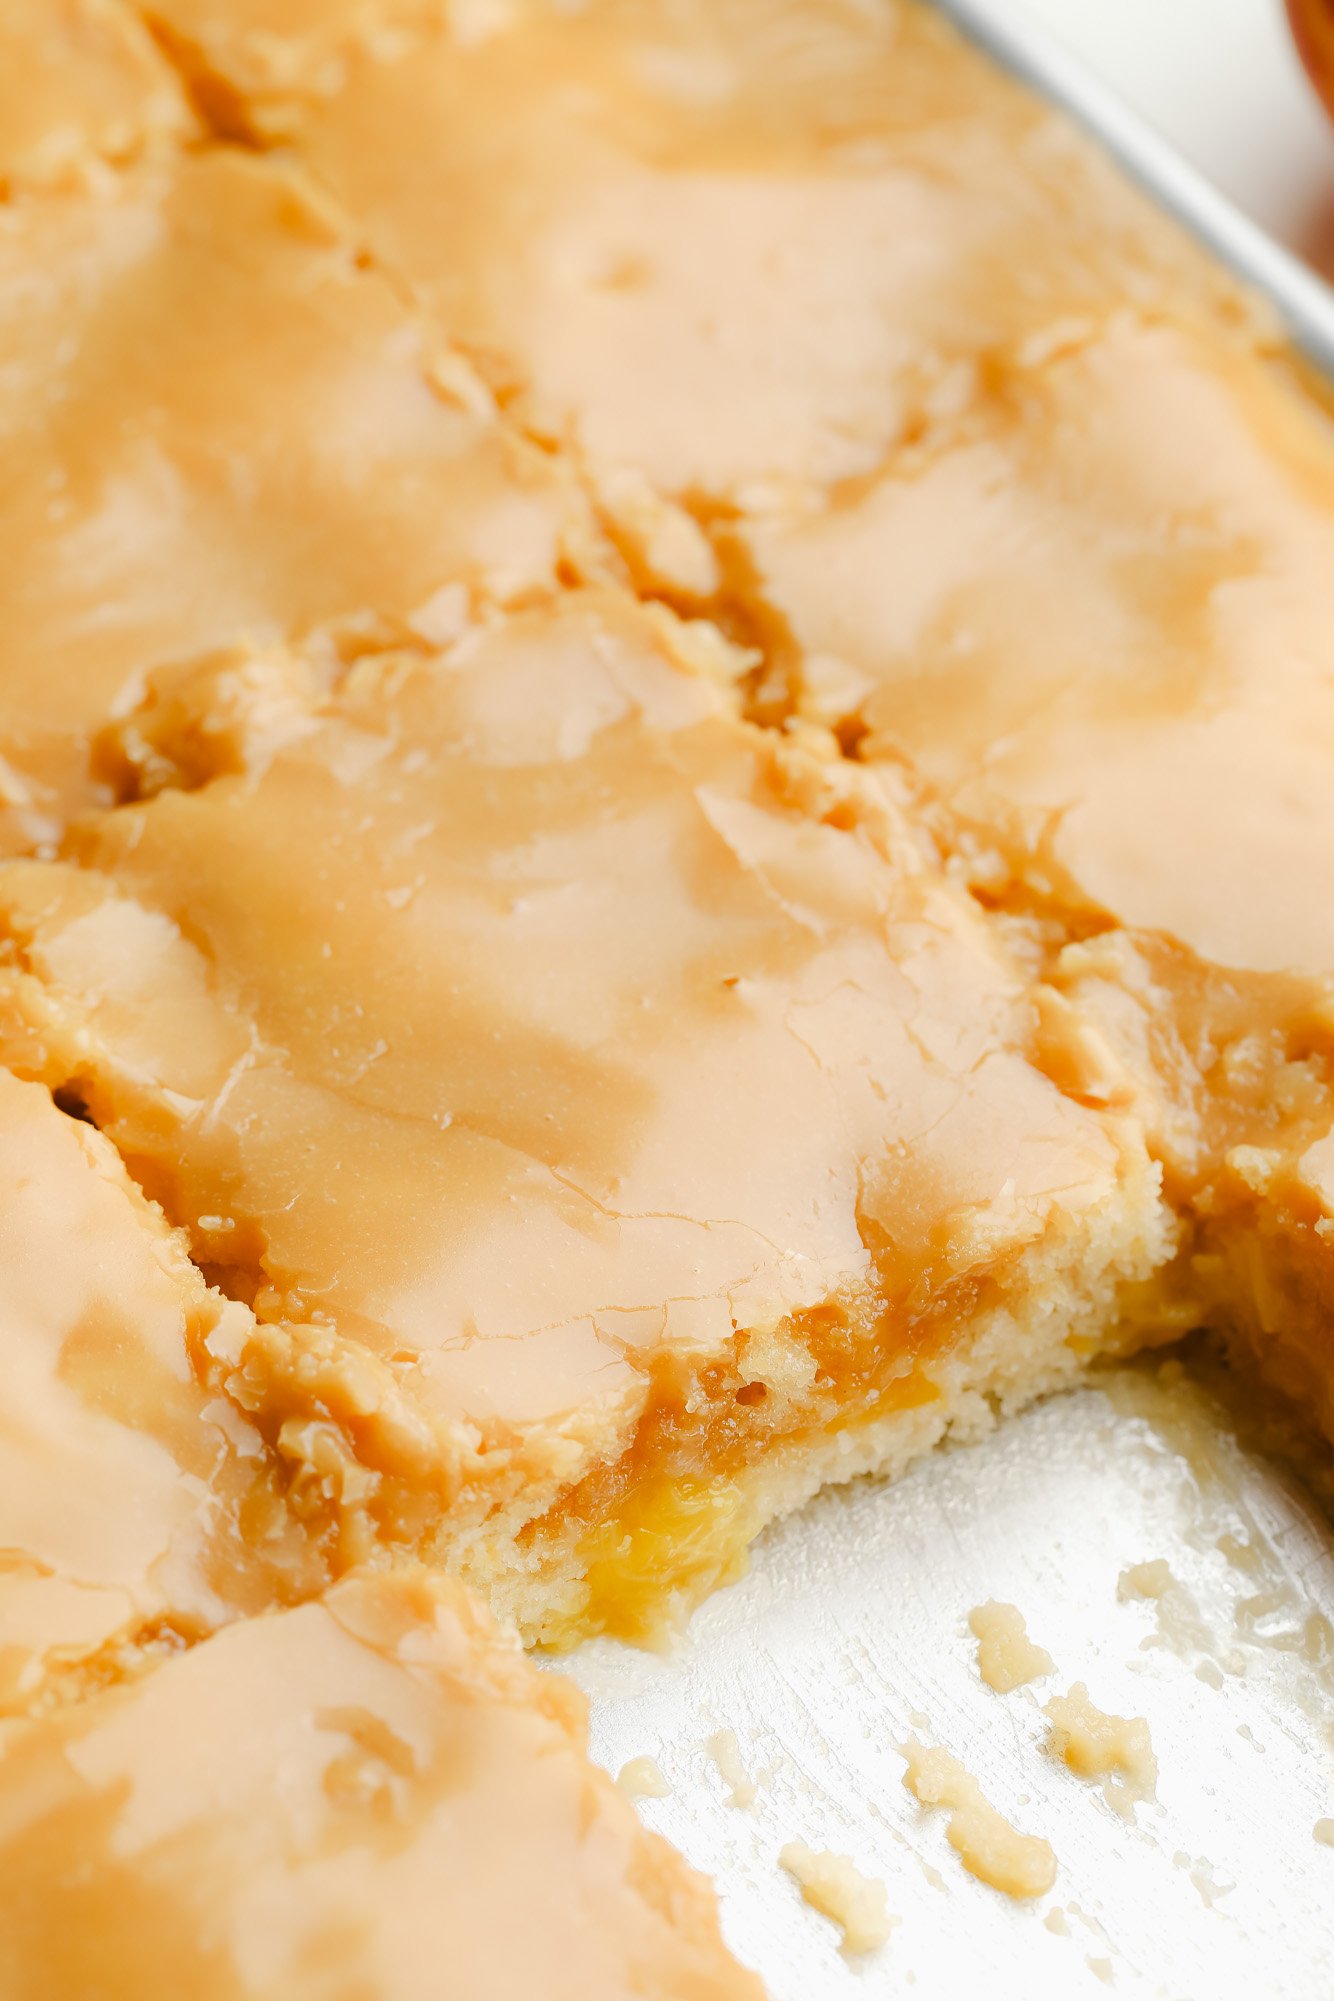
(133, 1505)
(80, 85)
(521, 1037)
(216, 425)
(269, 54)
(737, 247)
(1092, 616)
(353, 1801)
(1096, 616)
(581, 1023)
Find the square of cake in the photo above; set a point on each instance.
(727, 252)
(138, 1509)
(863, 348)
(218, 425)
(1092, 621)
(371, 1795)
(616, 1122)
(248, 62)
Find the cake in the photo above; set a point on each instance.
(82, 91)
(381, 1782)
(801, 224)
(1113, 676)
(616, 1123)
(1010, 488)
(665, 735)
(138, 1511)
(218, 427)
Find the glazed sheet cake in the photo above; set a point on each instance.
(666, 726)
(383, 1778)
(615, 1120)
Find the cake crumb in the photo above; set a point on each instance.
(1102, 1968)
(1115, 1749)
(1056, 1921)
(726, 1754)
(834, 1886)
(663, 544)
(642, 1779)
(1146, 1580)
(1019, 1865)
(1006, 1658)
(1201, 1873)
(1087, 1919)
(1254, 1166)
(1323, 1831)
(1244, 1552)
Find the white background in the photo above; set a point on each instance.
(1221, 78)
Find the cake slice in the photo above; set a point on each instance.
(217, 425)
(137, 1510)
(859, 345)
(729, 253)
(615, 1121)
(372, 1795)
(1094, 620)
(81, 87)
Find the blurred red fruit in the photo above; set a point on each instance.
(1313, 28)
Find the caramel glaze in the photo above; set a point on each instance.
(137, 1509)
(81, 89)
(728, 252)
(1092, 619)
(570, 1084)
(368, 1796)
(216, 425)
(586, 1037)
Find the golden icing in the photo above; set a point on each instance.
(356, 1796)
(80, 87)
(218, 426)
(137, 1509)
(585, 1041)
(1093, 615)
(608, 1117)
(737, 251)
